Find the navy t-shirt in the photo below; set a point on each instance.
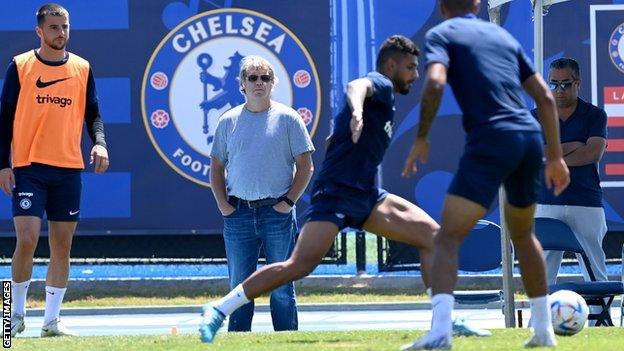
(486, 68)
(355, 165)
(584, 189)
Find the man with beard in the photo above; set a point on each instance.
(48, 95)
(345, 194)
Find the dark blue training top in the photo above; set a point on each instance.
(355, 165)
(486, 68)
(584, 189)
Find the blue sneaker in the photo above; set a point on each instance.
(461, 328)
(213, 320)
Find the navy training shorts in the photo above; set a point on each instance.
(42, 188)
(344, 206)
(512, 158)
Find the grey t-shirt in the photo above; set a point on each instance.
(259, 150)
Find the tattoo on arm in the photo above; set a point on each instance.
(428, 110)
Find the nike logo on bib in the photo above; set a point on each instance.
(71, 213)
(42, 84)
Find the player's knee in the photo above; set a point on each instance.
(27, 240)
(432, 228)
(446, 241)
(60, 254)
(519, 221)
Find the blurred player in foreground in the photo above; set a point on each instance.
(487, 69)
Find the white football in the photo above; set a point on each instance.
(569, 312)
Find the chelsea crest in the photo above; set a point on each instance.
(616, 47)
(192, 78)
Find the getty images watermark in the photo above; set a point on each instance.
(6, 314)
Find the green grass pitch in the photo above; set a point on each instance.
(589, 339)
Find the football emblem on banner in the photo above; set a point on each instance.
(616, 47)
(192, 78)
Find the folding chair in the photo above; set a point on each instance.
(555, 235)
(480, 252)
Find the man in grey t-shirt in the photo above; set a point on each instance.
(260, 165)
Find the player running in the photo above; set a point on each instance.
(344, 194)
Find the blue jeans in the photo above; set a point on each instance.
(245, 231)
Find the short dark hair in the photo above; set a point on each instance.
(566, 62)
(458, 5)
(395, 45)
(50, 9)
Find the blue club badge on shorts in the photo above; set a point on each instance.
(192, 78)
(25, 203)
(616, 47)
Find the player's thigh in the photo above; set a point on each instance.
(519, 220)
(398, 219)
(315, 239)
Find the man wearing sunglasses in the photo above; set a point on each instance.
(266, 150)
(345, 193)
(583, 132)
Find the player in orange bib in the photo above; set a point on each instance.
(48, 95)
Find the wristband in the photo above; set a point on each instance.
(285, 198)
